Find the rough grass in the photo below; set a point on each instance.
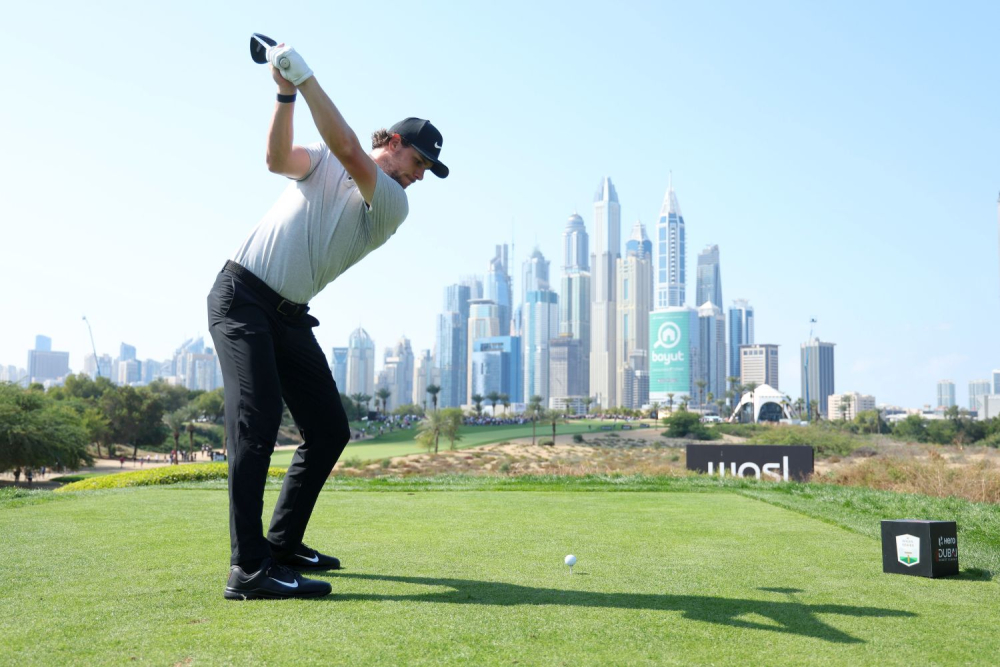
(978, 481)
(197, 472)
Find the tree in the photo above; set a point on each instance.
(358, 402)
(452, 421)
(97, 427)
(190, 418)
(701, 391)
(710, 398)
(670, 403)
(478, 399)
(433, 390)
(36, 430)
(684, 402)
(135, 415)
(751, 387)
(383, 394)
(175, 422)
(587, 403)
(654, 410)
(505, 401)
(172, 396)
(494, 398)
(845, 406)
(366, 399)
(211, 405)
(430, 430)
(800, 405)
(534, 410)
(733, 392)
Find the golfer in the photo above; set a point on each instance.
(342, 203)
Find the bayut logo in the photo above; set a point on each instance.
(669, 336)
(908, 549)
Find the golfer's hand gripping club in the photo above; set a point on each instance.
(288, 61)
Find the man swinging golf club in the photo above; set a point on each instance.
(342, 203)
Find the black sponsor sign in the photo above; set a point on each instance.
(775, 462)
(920, 548)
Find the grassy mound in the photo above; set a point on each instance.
(157, 476)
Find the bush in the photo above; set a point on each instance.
(546, 443)
(577, 438)
(684, 424)
(740, 430)
(156, 476)
(826, 441)
(992, 440)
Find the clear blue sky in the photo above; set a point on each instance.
(844, 156)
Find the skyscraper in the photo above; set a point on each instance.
(397, 374)
(339, 367)
(709, 286)
(44, 364)
(574, 296)
(43, 343)
(360, 363)
(978, 388)
(566, 377)
(634, 302)
(712, 343)
(759, 365)
(452, 346)
(498, 289)
(484, 322)
(424, 375)
(496, 366)
(945, 394)
(817, 373)
(996, 382)
(541, 324)
(670, 253)
(607, 250)
(740, 333)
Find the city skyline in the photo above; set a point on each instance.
(807, 144)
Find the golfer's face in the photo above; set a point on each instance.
(411, 166)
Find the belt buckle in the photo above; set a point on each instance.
(293, 309)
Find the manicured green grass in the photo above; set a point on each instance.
(403, 443)
(449, 570)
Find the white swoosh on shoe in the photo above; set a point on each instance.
(294, 584)
(314, 559)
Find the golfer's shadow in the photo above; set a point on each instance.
(790, 617)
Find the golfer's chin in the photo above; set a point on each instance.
(404, 181)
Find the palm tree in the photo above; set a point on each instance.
(365, 398)
(684, 402)
(452, 421)
(800, 405)
(433, 390)
(382, 393)
(733, 392)
(505, 401)
(701, 391)
(477, 399)
(722, 405)
(191, 416)
(654, 410)
(813, 409)
(358, 402)
(709, 398)
(751, 387)
(494, 398)
(175, 421)
(786, 403)
(845, 406)
(534, 409)
(587, 402)
(430, 430)
(670, 403)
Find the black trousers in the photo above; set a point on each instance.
(267, 356)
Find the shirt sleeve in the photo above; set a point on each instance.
(388, 209)
(317, 153)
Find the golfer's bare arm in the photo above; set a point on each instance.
(283, 157)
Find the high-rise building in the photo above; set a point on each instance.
(360, 363)
(339, 367)
(848, 404)
(603, 312)
(397, 374)
(452, 346)
(424, 375)
(497, 367)
(484, 322)
(127, 352)
(541, 324)
(817, 373)
(996, 383)
(566, 377)
(475, 285)
(574, 296)
(498, 288)
(130, 372)
(46, 365)
(759, 365)
(946, 394)
(97, 366)
(709, 286)
(712, 343)
(634, 302)
(740, 333)
(670, 253)
(978, 388)
(675, 354)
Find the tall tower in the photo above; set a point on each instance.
(452, 346)
(484, 322)
(709, 277)
(740, 333)
(670, 252)
(817, 373)
(574, 295)
(360, 363)
(498, 288)
(634, 281)
(607, 250)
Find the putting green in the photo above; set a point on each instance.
(476, 577)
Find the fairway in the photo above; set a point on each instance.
(136, 575)
(402, 442)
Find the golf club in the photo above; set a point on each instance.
(258, 50)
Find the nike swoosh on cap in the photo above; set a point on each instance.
(294, 584)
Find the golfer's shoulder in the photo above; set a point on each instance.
(390, 197)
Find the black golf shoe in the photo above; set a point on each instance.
(304, 558)
(272, 582)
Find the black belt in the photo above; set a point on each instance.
(282, 305)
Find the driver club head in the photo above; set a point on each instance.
(258, 47)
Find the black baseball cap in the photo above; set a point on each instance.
(425, 139)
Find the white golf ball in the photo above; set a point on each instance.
(570, 560)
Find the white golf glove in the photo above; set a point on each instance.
(291, 65)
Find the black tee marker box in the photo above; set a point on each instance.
(920, 548)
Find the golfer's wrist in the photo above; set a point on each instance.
(290, 90)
